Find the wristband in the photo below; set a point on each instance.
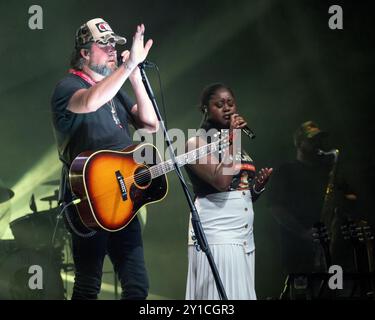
(258, 192)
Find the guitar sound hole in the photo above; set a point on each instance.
(142, 177)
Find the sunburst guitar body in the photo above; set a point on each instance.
(113, 186)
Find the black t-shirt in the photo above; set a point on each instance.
(76, 133)
(300, 188)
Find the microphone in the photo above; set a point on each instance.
(146, 64)
(250, 133)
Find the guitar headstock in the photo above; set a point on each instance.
(320, 233)
(361, 235)
(364, 231)
(357, 232)
(321, 236)
(350, 232)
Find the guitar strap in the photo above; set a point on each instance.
(63, 188)
(71, 216)
(65, 195)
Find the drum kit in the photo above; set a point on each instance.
(39, 239)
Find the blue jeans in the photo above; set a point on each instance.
(125, 249)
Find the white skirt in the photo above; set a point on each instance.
(236, 269)
(227, 219)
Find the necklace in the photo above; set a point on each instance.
(114, 113)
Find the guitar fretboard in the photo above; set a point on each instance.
(189, 157)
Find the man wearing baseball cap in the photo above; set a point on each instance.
(296, 200)
(90, 112)
(99, 31)
(308, 139)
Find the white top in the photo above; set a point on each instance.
(227, 218)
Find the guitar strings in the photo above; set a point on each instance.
(145, 176)
(142, 175)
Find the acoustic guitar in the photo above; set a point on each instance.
(112, 186)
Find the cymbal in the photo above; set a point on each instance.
(51, 183)
(5, 194)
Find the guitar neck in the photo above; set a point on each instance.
(320, 235)
(181, 160)
(327, 256)
(370, 255)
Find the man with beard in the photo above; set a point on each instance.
(91, 113)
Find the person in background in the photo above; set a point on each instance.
(296, 200)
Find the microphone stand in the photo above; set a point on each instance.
(196, 223)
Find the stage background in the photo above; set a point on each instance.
(283, 62)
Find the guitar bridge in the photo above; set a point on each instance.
(121, 183)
